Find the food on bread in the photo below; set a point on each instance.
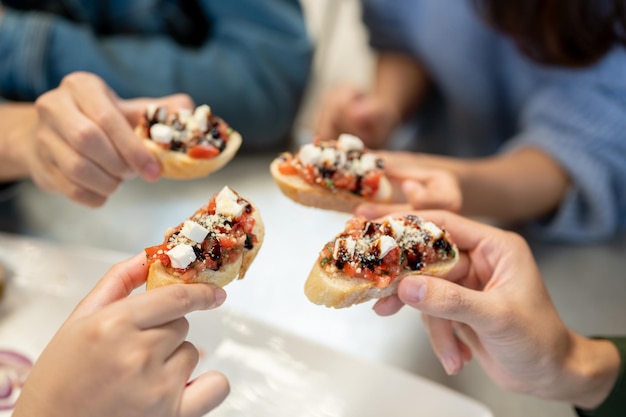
(215, 245)
(188, 145)
(369, 258)
(334, 175)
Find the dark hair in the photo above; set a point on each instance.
(571, 33)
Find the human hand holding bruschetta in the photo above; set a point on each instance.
(495, 307)
(417, 188)
(125, 355)
(83, 145)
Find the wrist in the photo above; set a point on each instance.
(17, 122)
(590, 372)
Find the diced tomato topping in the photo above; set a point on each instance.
(349, 269)
(369, 185)
(222, 127)
(211, 206)
(228, 242)
(153, 255)
(205, 151)
(345, 180)
(309, 174)
(247, 224)
(287, 168)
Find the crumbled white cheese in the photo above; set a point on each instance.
(368, 162)
(181, 256)
(348, 245)
(226, 203)
(193, 231)
(397, 227)
(385, 244)
(310, 154)
(355, 166)
(192, 125)
(329, 156)
(202, 114)
(434, 231)
(161, 114)
(150, 111)
(347, 142)
(184, 115)
(161, 133)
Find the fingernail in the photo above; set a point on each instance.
(449, 364)
(220, 296)
(151, 171)
(364, 211)
(412, 189)
(410, 186)
(415, 291)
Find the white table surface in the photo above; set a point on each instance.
(588, 284)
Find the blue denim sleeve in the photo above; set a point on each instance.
(389, 24)
(252, 70)
(23, 43)
(580, 122)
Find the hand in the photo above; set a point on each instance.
(417, 189)
(495, 307)
(350, 110)
(84, 145)
(125, 355)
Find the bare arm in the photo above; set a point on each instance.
(523, 185)
(518, 186)
(401, 83)
(17, 123)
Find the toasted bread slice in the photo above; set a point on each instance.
(337, 290)
(369, 259)
(311, 195)
(239, 258)
(180, 166)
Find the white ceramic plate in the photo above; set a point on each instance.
(272, 372)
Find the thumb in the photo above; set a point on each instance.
(444, 299)
(116, 284)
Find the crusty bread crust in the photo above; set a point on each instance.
(159, 276)
(294, 187)
(180, 166)
(337, 290)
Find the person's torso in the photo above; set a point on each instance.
(182, 20)
(483, 80)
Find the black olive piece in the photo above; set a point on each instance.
(443, 245)
(414, 260)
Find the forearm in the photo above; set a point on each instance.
(518, 186)
(401, 83)
(16, 129)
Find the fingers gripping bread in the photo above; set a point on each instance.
(334, 175)
(188, 145)
(368, 259)
(216, 245)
